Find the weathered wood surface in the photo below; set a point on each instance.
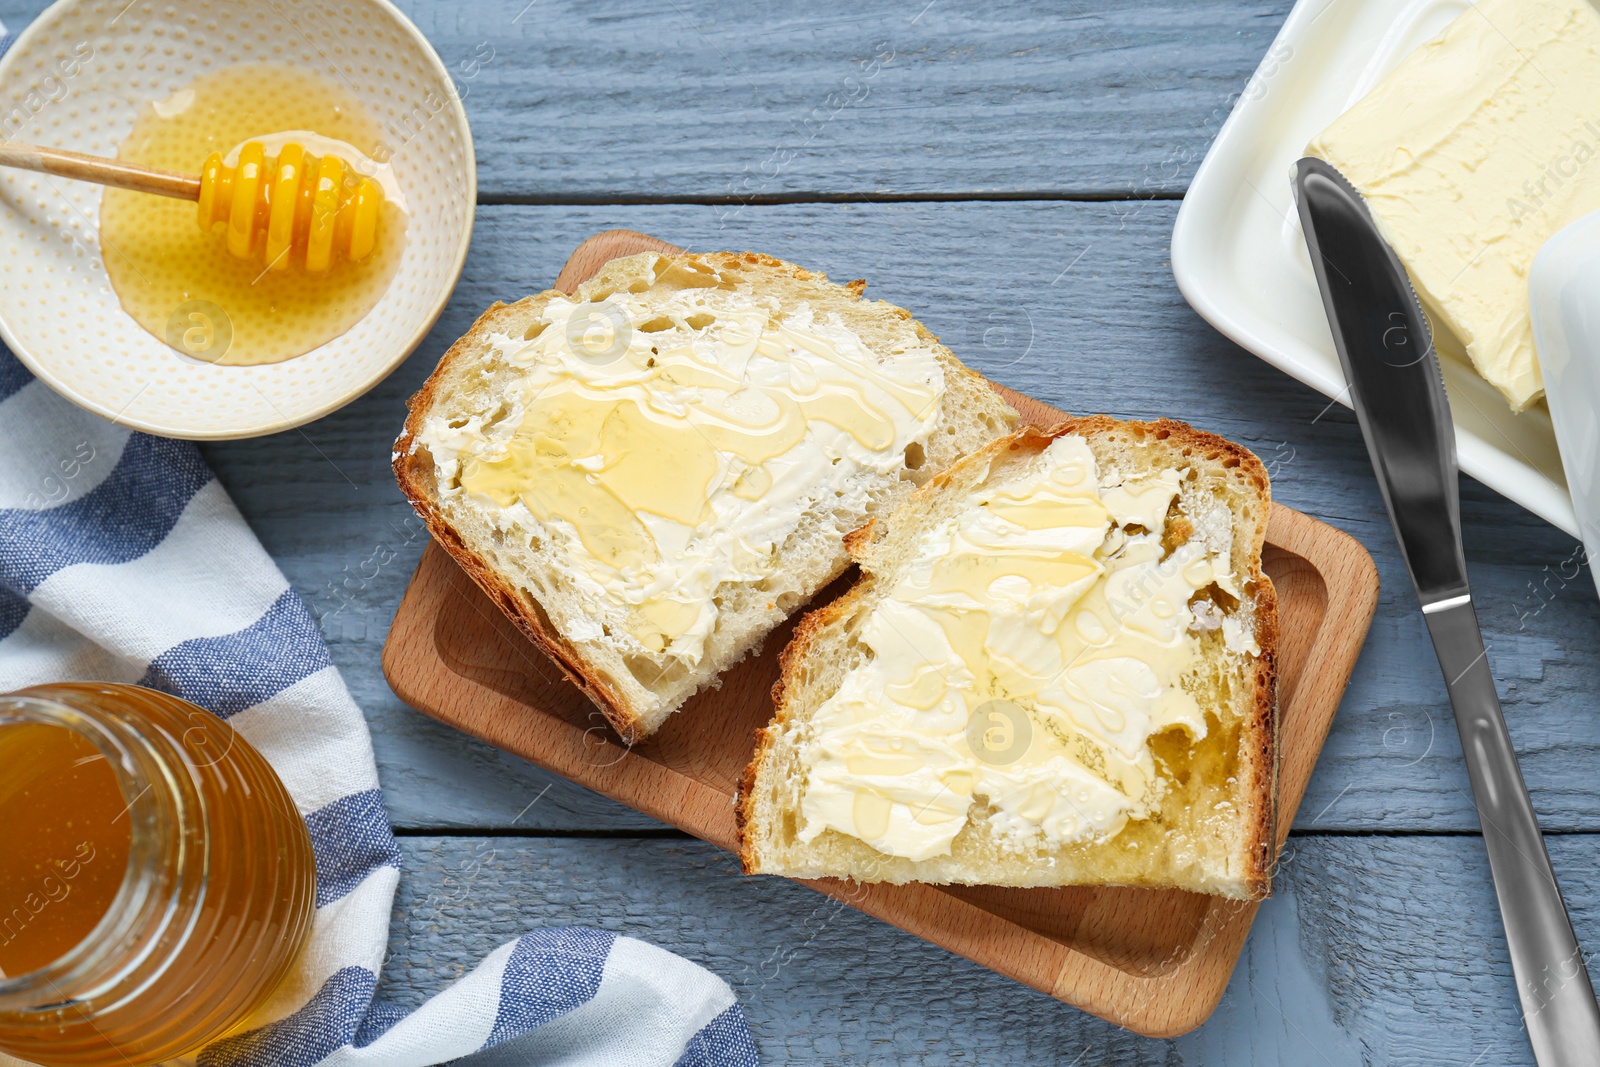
(1378, 949)
(1375, 950)
(638, 99)
(1112, 334)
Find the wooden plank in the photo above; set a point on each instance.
(694, 98)
(1154, 962)
(1377, 951)
(1111, 333)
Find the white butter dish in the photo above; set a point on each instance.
(1564, 292)
(1239, 256)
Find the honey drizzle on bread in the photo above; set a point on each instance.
(525, 569)
(1212, 828)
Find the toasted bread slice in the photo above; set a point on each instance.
(1044, 746)
(650, 474)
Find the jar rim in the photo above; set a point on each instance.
(77, 972)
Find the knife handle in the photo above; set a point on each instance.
(1558, 1002)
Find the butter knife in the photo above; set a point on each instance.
(1386, 348)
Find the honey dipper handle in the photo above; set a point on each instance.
(84, 168)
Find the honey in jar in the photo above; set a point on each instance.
(181, 283)
(156, 880)
(64, 836)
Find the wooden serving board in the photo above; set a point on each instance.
(1153, 961)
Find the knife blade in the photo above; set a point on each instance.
(1386, 348)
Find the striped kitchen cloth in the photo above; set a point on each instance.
(122, 559)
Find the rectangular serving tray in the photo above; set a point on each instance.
(1155, 962)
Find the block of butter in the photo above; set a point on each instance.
(1471, 153)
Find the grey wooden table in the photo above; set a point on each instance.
(1010, 172)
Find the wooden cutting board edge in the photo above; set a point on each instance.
(1163, 1004)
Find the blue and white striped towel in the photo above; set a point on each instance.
(122, 559)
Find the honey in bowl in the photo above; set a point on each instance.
(181, 282)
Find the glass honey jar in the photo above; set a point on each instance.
(156, 880)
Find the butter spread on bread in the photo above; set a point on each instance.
(1057, 669)
(679, 466)
(1038, 595)
(651, 473)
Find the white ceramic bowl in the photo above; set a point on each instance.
(75, 79)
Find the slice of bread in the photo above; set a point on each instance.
(573, 454)
(848, 757)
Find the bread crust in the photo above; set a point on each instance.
(413, 472)
(1260, 732)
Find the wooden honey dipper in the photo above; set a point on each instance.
(313, 206)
